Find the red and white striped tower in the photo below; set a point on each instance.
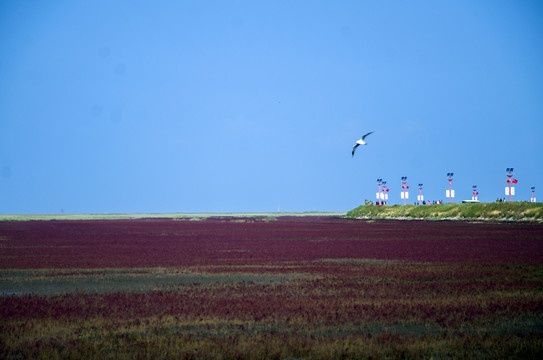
(379, 182)
(510, 190)
(474, 193)
(405, 194)
(533, 195)
(385, 193)
(450, 194)
(420, 194)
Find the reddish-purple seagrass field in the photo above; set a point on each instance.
(286, 287)
(232, 241)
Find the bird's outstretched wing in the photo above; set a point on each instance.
(354, 148)
(364, 136)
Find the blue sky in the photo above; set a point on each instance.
(239, 106)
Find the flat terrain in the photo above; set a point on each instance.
(139, 216)
(270, 287)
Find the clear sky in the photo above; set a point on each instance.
(240, 106)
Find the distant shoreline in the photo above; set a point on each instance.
(128, 216)
(483, 212)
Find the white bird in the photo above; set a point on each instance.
(361, 141)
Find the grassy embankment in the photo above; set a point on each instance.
(505, 211)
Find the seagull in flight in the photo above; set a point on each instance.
(361, 141)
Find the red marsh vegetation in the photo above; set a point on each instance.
(294, 287)
(232, 241)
